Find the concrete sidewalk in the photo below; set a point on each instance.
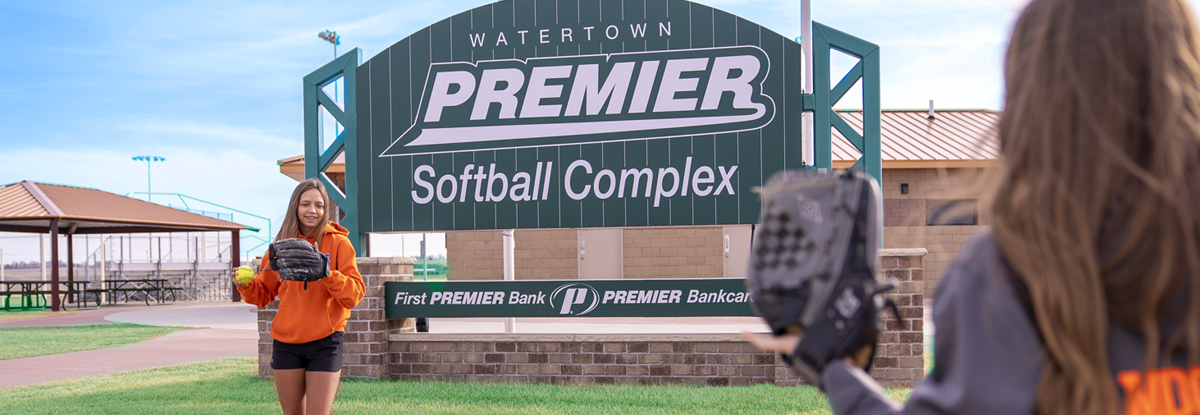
(182, 347)
(219, 331)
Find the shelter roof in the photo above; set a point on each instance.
(28, 207)
(294, 166)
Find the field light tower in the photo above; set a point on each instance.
(331, 37)
(148, 159)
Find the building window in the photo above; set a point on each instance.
(951, 212)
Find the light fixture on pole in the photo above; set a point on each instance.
(331, 37)
(148, 159)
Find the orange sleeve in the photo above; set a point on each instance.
(345, 283)
(263, 288)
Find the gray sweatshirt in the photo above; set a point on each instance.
(988, 353)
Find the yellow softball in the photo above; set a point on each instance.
(245, 274)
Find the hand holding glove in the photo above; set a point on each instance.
(297, 260)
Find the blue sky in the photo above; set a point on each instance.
(215, 86)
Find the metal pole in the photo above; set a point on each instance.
(510, 324)
(806, 46)
(424, 259)
(55, 305)
(103, 259)
(235, 259)
(70, 264)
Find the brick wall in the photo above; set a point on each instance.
(900, 356)
(365, 345)
(545, 254)
(673, 252)
(554, 253)
(538, 254)
(905, 215)
(710, 359)
(942, 242)
(475, 255)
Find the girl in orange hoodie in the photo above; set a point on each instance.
(308, 329)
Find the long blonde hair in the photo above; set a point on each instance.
(1097, 203)
(291, 220)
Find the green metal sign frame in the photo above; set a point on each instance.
(826, 39)
(820, 102)
(317, 160)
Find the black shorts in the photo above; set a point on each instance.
(321, 355)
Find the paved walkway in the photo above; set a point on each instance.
(219, 331)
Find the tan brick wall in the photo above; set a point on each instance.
(932, 183)
(546, 254)
(538, 254)
(475, 255)
(905, 215)
(674, 252)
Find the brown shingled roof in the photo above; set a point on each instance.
(28, 207)
(909, 139)
(17, 201)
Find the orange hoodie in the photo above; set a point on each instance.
(322, 309)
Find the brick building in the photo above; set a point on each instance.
(931, 201)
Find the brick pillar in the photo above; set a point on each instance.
(900, 354)
(900, 358)
(265, 315)
(365, 346)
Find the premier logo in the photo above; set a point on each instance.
(582, 99)
(567, 296)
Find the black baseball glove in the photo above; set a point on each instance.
(813, 267)
(297, 260)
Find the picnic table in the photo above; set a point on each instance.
(148, 287)
(33, 293)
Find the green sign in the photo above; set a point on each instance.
(569, 298)
(576, 113)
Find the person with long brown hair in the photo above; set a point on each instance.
(311, 322)
(1084, 298)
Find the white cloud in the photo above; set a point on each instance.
(224, 133)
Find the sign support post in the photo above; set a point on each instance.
(806, 47)
(510, 323)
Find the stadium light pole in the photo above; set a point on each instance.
(148, 159)
(333, 38)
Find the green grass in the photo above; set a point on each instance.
(40, 341)
(230, 386)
